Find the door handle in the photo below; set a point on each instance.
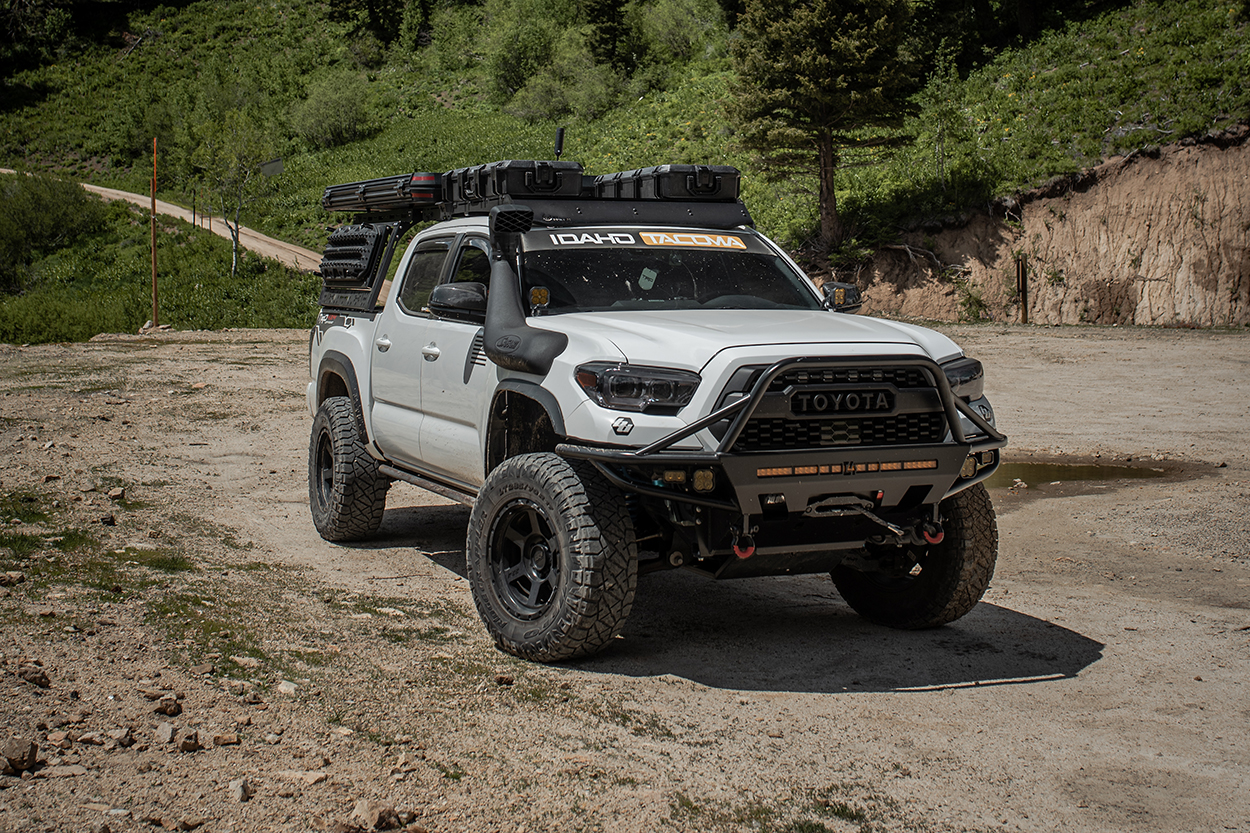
(431, 352)
(383, 344)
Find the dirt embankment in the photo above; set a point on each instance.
(1158, 237)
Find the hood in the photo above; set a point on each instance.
(690, 339)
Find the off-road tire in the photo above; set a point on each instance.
(346, 492)
(552, 559)
(952, 578)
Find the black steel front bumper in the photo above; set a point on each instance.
(814, 473)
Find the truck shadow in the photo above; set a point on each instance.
(787, 633)
(796, 634)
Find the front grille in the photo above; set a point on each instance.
(900, 377)
(778, 433)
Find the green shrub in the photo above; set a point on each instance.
(39, 214)
(337, 111)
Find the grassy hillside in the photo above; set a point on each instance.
(340, 98)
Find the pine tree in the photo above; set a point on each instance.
(816, 78)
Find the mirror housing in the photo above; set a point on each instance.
(461, 301)
(842, 297)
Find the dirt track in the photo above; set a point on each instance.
(1101, 685)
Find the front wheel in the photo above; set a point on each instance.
(552, 560)
(913, 587)
(346, 492)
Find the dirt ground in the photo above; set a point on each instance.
(156, 544)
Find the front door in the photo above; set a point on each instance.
(457, 380)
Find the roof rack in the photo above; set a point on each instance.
(559, 193)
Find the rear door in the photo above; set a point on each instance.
(396, 366)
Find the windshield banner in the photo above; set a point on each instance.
(599, 237)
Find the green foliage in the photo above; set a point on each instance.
(39, 214)
(638, 82)
(337, 111)
(103, 284)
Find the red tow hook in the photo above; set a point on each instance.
(935, 536)
(744, 546)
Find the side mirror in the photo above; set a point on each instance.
(460, 301)
(841, 297)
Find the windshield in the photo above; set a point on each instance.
(589, 270)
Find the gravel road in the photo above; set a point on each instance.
(1101, 685)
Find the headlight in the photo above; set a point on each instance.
(626, 387)
(966, 378)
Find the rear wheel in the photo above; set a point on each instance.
(552, 560)
(346, 492)
(924, 587)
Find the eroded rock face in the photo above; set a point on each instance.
(1152, 238)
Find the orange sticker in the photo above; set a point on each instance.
(703, 241)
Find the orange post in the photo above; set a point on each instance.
(156, 321)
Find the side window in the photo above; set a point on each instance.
(424, 269)
(473, 264)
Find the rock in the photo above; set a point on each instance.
(375, 815)
(69, 771)
(190, 742)
(308, 777)
(344, 827)
(165, 733)
(226, 739)
(251, 698)
(241, 789)
(246, 662)
(59, 740)
(153, 693)
(206, 668)
(273, 739)
(123, 737)
(11, 577)
(101, 827)
(190, 822)
(108, 520)
(287, 688)
(503, 680)
(169, 706)
(91, 738)
(34, 675)
(117, 494)
(20, 753)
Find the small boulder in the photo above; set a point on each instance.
(375, 815)
(169, 706)
(242, 790)
(20, 753)
(165, 733)
(190, 742)
(34, 675)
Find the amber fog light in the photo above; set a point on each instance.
(704, 480)
(969, 468)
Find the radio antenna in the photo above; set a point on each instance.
(559, 142)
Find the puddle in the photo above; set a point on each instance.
(1047, 474)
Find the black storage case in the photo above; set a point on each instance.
(704, 183)
(481, 187)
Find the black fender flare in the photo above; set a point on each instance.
(338, 364)
(536, 392)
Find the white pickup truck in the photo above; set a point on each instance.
(620, 375)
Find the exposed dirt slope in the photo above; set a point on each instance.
(1160, 237)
